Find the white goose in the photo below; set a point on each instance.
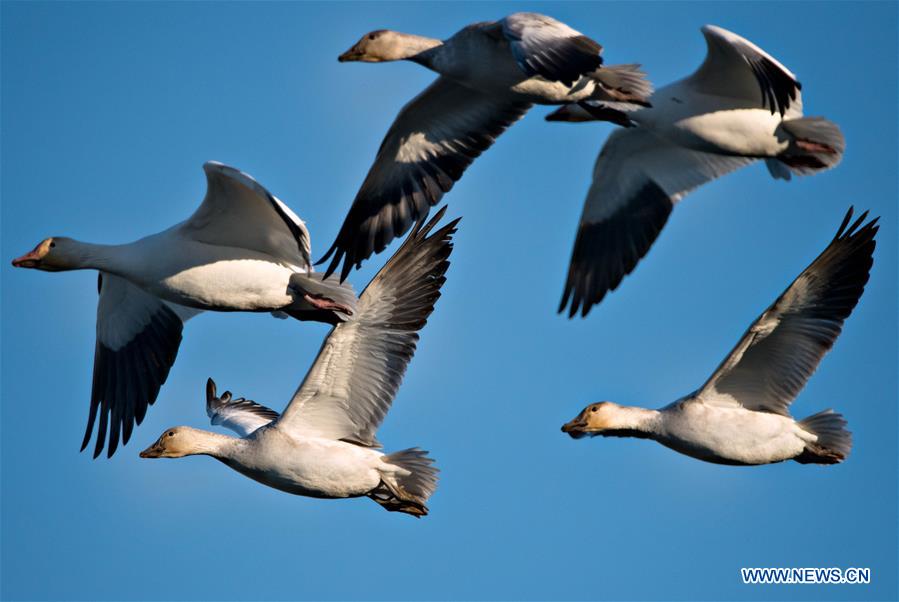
(741, 414)
(739, 107)
(242, 250)
(324, 444)
(490, 75)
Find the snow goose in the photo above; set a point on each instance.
(324, 445)
(242, 250)
(740, 106)
(741, 414)
(490, 75)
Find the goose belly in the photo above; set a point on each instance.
(726, 435)
(541, 91)
(227, 285)
(313, 468)
(743, 132)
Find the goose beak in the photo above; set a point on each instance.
(28, 260)
(154, 451)
(575, 428)
(350, 55)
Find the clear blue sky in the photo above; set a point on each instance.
(109, 111)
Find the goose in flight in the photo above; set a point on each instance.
(490, 74)
(739, 107)
(741, 414)
(241, 250)
(324, 445)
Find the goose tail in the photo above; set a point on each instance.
(624, 84)
(407, 489)
(833, 442)
(339, 296)
(816, 144)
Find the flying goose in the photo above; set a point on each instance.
(739, 107)
(324, 445)
(490, 74)
(242, 250)
(741, 414)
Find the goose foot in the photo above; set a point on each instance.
(320, 302)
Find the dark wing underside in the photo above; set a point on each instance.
(433, 140)
(137, 341)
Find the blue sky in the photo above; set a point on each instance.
(109, 111)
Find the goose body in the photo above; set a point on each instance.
(242, 250)
(484, 57)
(324, 444)
(307, 466)
(730, 435)
(740, 106)
(712, 124)
(200, 275)
(741, 414)
(490, 74)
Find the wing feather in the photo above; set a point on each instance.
(549, 48)
(239, 212)
(637, 179)
(737, 68)
(361, 364)
(431, 143)
(243, 416)
(138, 336)
(783, 347)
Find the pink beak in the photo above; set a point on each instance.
(28, 260)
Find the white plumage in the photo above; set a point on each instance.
(740, 106)
(740, 415)
(242, 250)
(324, 445)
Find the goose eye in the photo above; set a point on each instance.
(171, 433)
(371, 36)
(593, 409)
(52, 244)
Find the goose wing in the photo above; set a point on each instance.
(545, 47)
(783, 347)
(242, 416)
(637, 179)
(360, 366)
(735, 67)
(137, 340)
(433, 140)
(239, 212)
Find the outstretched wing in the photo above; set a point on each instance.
(362, 362)
(239, 212)
(431, 143)
(636, 182)
(137, 341)
(735, 67)
(242, 416)
(549, 48)
(783, 347)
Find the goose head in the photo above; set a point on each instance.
(175, 442)
(594, 420)
(51, 255)
(387, 45)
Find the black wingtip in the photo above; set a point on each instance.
(210, 390)
(848, 231)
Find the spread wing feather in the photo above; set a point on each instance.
(361, 364)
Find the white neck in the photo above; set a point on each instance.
(207, 443)
(415, 48)
(630, 421)
(88, 256)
